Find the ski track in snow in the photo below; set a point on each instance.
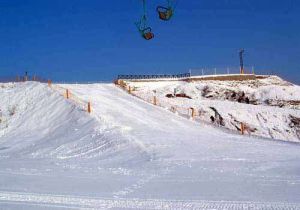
(102, 203)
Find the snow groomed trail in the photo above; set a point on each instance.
(129, 154)
(59, 201)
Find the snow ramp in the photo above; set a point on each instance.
(37, 122)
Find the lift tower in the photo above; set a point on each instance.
(241, 61)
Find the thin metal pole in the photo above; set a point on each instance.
(241, 61)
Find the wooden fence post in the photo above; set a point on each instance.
(173, 109)
(129, 89)
(67, 94)
(242, 128)
(89, 109)
(49, 82)
(154, 100)
(193, 114)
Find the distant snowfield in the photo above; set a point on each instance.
(129, 154)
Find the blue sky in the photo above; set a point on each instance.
(93, 40)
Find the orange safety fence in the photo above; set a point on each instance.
(182, 109)
(187, 111)
(85, 105)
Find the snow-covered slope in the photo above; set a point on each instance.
(269, 107)
(129, 154)
(37, 122)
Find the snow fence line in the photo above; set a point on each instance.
(66, 93)
(25, 78)
(189, 113)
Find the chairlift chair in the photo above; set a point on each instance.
(165, 13)
(147, 34)
(142, 25)
(144, 29)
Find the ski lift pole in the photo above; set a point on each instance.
(144, 7)
(144, 18)
(142, 23)
(241, 61)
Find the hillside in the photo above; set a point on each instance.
(37, 122)
(268, 107)
(129, 154)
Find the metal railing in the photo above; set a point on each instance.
(154, 76)
(221, 70)
(22, 79)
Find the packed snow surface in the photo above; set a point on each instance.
(129, 154)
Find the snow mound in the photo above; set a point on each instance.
(37, 122)
(269, 107)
